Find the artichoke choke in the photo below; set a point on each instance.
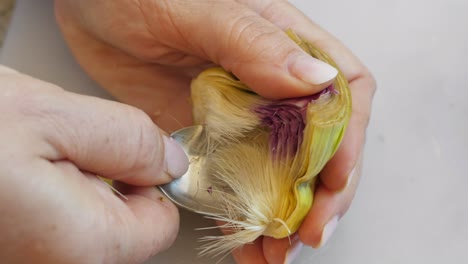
(266, 154)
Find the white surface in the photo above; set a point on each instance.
(412, 204)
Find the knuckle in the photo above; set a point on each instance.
(34, 106)
(154, 41)
(146, 138)
(274, 10)
(254, 41)
(26, 96)
(240, 32)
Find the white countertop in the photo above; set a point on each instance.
(412, 204)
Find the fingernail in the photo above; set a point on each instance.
(350, 177)
(293, 251)
(175, 160)
(328, 230)
(312, 70)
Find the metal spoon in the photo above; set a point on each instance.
(194, 190)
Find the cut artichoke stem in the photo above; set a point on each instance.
(266, 154)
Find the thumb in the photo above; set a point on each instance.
(227, 33)
(258, 52)
(102, 137)
(115, 141)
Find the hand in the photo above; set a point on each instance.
(53, 207)
(146, 52)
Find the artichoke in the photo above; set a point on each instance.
(265, 155)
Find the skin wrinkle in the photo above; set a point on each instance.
(283, 17)
(125, 62)
(166, 55)
(256, 5)
(43, 114)
(163, 232)
(117, 216)
(248, 25)
(103, 32)
(149, 28)
(172, 22)
(64, 139)
(121, 84)
(77, 202)
(240, 30)
(86, 221)
(271, 11)
(208, 53)
(148, 194)
(149, 155)
(105, 221)
(144, 151)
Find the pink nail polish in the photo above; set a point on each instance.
(293, 251)
(350, 177)
(312, 70)
(328, 230)
(175, 160)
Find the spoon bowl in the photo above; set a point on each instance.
(194, 190)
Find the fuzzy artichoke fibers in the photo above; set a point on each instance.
(264, 154)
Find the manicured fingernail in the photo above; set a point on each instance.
(350, 177)
(293, 251)
(312, 70)
(175, 160)
(328, 230)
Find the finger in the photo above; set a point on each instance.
(151, 223)
(283, 14)
(138, 227)
(103, 137)
(327, 209)
(227, 33)
(250, 253)
(336, 175)
(257, 52)
(279, 251)
(162, 92)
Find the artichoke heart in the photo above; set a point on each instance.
(264, 154)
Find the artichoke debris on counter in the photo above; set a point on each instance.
(265, 155)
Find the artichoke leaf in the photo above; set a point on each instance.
(266, 154)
